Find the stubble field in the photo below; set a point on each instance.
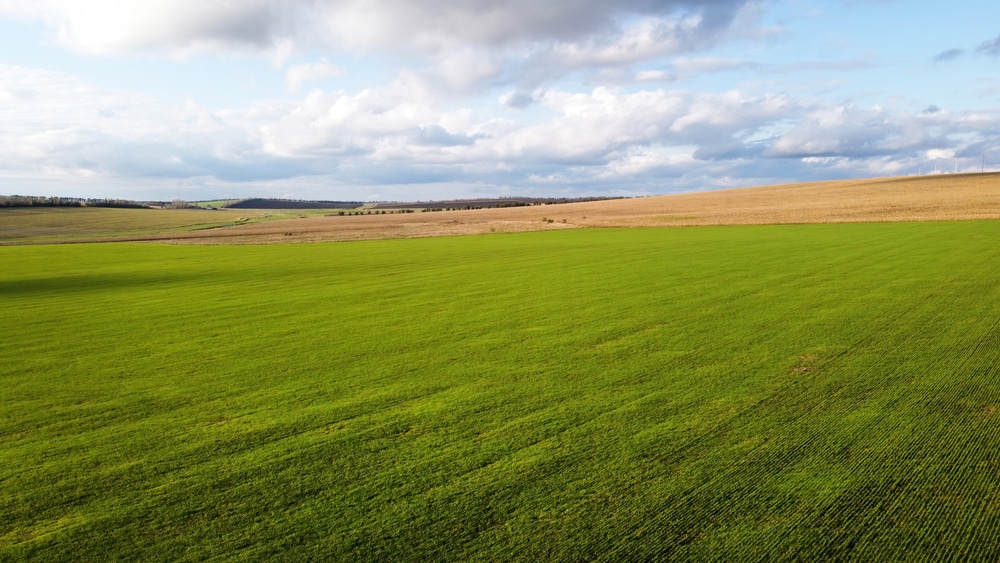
(920, 198)
(751, 393)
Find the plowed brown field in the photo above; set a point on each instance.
(921, 198)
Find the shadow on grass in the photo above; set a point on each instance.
(92, 282)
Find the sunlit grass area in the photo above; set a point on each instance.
(715, 393)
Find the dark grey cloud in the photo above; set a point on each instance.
(948, 55)
(991, 48)
(517, 100)
(430, 27)
(500, 23)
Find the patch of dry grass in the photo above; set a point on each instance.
(20, 225)
(920, 198)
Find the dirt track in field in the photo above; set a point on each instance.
(921, 198)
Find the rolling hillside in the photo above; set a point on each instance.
(922, 198)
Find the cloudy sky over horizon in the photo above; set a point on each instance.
(394, 99)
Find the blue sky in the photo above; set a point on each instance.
(391, 99)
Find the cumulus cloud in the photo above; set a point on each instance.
(442, 24)
(103, 26)
(62, 125)
(648, 163)
(393, 134)
(634, 137)
(649, 38)
(606, 140)
(179, 27)
(561, 33)
(850, 134)
(626, 131)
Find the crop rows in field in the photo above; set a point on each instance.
(812, 392)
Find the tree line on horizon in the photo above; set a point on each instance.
(268, 203)
(56, 201)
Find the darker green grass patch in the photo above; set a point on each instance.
(736, 393)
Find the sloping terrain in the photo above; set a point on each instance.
(920, 198)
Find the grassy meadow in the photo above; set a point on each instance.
(751, 393)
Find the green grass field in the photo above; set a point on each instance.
(815, 392)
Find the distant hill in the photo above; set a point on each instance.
(487, 203)
(261, 203)
(479, 203)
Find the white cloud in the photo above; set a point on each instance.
(654, 76)
(177, 26)
(466, 69)
(935, 154)
(847, 131)
(647, 163)
(583, 95)
(647, 39)
(64, 125)
(605, 140)
(298, 75)
(686, 65)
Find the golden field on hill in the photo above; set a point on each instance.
(919, 198)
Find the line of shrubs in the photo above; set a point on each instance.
(373, 212)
